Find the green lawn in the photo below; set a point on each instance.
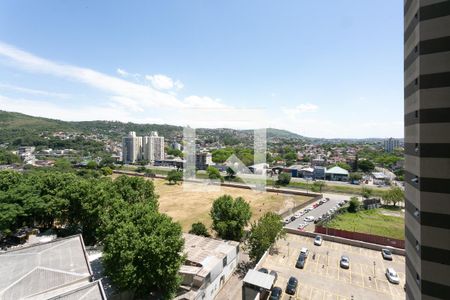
(372, 222)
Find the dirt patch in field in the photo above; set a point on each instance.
(190, 205)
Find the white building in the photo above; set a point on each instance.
(131, 148)
(390, 144)
(209, 264)
(153, 147)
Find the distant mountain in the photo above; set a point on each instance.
(20, 129)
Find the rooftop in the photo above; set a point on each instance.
(337, 170)
(43, 271)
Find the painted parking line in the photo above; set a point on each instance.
(357, 279)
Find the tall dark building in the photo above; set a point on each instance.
(427, 148)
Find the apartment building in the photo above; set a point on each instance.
(131, 148)
(153, 147)
(427, 148)
(135, 148)
(390, 144)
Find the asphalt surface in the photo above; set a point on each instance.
(318, 211)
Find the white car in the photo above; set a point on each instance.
(309, 219)
(304, 251)
(392, 276)
(318, 240)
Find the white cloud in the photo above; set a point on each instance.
(299, 109)
(145, 96)
(163, 82)
(122, 72)
(203, 102)
(15, 88)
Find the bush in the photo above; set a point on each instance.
(284, 179)
(199, 229)
(353, 205)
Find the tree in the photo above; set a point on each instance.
(92, 165)
(366, 166)
(174, 176)
(284, 179)
(199, 229)
(353, 205)
(394, 196)
(134, 189)
(149, 173)
(213, 173)
(318, 186)
(63, 164)
(355, 176)
(230, 216)
(264, 234)
(7, 158)
(142, 251)
(344, 166)
(107, 171)
(366, 192)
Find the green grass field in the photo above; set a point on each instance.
(372, 222)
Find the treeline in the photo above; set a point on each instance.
(141, 245)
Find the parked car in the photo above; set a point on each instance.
(276, 293)
(301, 260)
(345, 262)
(291, 287)
(318, 240)
(387, 254)
(263, 270)
(309, 219)
(304, 251)
(392, 276)
(292, 218)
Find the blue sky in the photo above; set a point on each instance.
(317, 68)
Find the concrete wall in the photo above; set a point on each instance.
(346, 241)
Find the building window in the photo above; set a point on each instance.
(224, 261)
(416, 148)
(416, 16)
(416, 114)
(416, 81)
(416, 49)
(417, 246)
(417, 213)
(415, 180)
(418, 279)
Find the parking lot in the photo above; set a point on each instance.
(318, 211)
(322, 277)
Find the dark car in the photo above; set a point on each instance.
(300, 262)
(291, 287)
(263, 270)
(387, 254)
(276, 293)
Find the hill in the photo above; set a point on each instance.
(20, 129)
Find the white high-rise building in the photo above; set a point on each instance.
(131, 148)
(390, 144)
(153, 147)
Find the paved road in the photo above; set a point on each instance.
(318, 211)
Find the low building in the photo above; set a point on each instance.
(256, 285)
(175, 162)
(379, 178)
(55, 270)
(203, 160)
(319, 172)
(336, 173)
(209, 264)
(307, 173)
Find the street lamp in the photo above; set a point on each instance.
(374, 275)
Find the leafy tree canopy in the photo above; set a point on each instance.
(230, 216)
(263, 234)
